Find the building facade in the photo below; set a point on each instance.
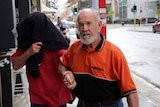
(122, 9)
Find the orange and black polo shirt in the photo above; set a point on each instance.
(100, 74)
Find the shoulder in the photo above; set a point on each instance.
(63, 23)
(112, 48)
(75, 45)
(17, 53)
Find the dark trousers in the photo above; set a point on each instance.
(39, 105)
(116, 103)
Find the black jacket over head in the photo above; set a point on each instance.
(37, 27)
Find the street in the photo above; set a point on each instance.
(142, 50)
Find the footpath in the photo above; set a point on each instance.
(136, 28)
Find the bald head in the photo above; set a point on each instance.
(89, 26)
(88, 12)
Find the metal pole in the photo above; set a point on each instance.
(147, 13)
(134, 15)
(93, 4)
(140, 15)
(122, 9)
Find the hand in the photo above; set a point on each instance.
(35, 48)
(65, 31)
(69, 80)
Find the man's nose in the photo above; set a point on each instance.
(85, 28)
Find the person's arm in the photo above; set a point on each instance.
(65, 31)
(66, 27)
(68, 77)
(132, 100)
(62, 69)
(20, 61)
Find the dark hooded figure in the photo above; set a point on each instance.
(37, 27)
(40, 45)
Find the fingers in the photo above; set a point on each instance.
(39, 43)
(71, 86)
(35, 48)
(68, 76)
(69, 80)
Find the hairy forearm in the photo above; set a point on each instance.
(62, 69)
(68, 77)
(132, 100)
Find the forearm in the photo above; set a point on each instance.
(20, 61)
(62, 69)
(133, 100)
(68, 77)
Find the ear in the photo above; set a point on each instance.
(100, 26)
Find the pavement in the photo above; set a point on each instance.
(135, 28)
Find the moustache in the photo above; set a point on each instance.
(85, 33)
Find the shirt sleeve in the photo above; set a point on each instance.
(16, 54)
(67, 58)
(61, 52)
(126, 83)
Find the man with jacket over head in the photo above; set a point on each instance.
(40, 45)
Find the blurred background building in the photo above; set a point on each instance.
(123, 10)
(117, 10)
(14, 11)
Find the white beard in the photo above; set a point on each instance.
(90, 39)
